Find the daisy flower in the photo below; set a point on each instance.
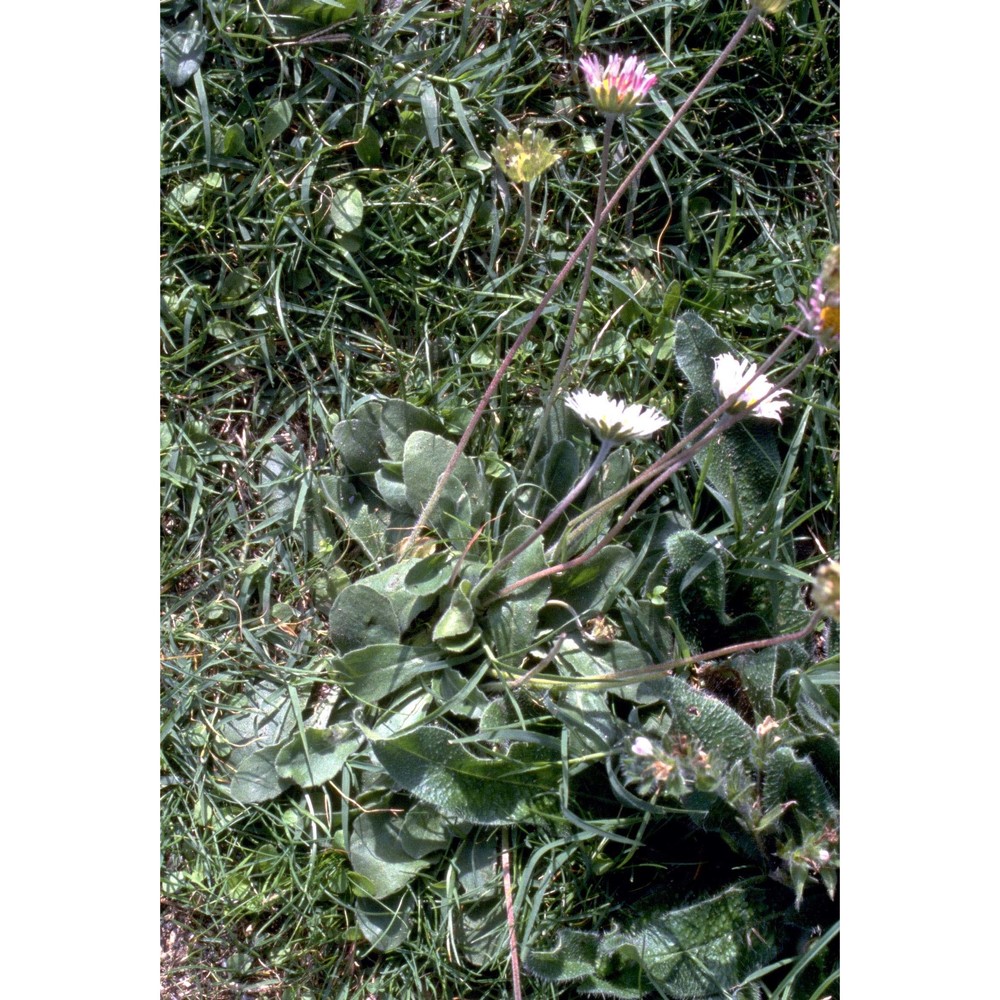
(612, 420)
(731, 373)
(619, 86)
(822, 311)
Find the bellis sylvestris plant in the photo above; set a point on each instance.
(617, 87)
(730, 374)
(468, 640)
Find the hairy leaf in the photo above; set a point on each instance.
(374, 672)
(378, 855)
(360, 617)
(257, 778)
(513, 621)
(385, 923)
(399, 420)
(700, 950)
(431, 764)
(358, 439)
(316, 755)
(267, 721)
(715, 724)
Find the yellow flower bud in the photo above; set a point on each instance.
(826, 590)
(770, 6)
(526, 156)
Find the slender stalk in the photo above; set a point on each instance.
(623, 677)
(508, 899)
(526, 205)
(716, 432)
(588, 267)
(434, 499)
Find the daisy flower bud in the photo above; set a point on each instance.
(525, 157)
(825, 591)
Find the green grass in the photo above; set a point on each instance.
(279, 315)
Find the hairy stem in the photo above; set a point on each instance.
(582, 483)
(526, 205)
(623, 677)
(508, 899)
(708, 424)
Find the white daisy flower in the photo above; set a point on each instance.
(611, 420)
(731, 373)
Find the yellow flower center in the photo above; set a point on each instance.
(829, 318)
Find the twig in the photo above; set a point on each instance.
(508, 899)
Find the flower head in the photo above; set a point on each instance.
(526, 156)
(619, 86)
(768, 725)
(822, 311)
(642, 747)
(731, 373)
(825, 591)
(612, 420)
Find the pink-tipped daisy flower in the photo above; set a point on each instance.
(822, 310)
(616, 88)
